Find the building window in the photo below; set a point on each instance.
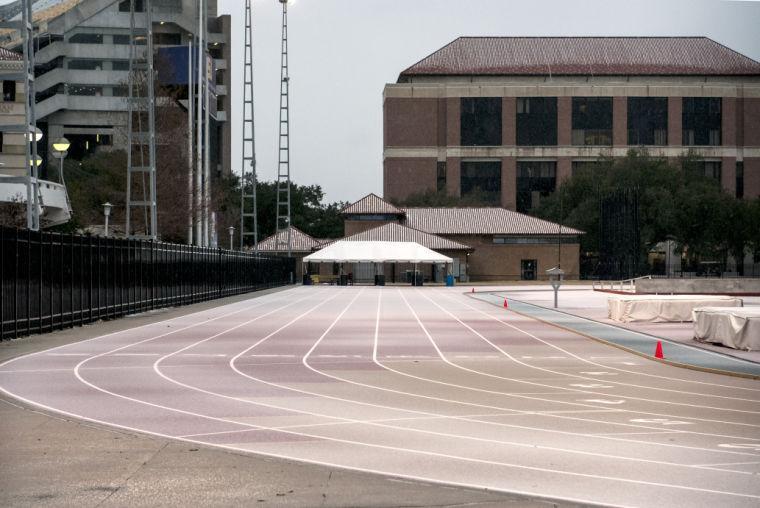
(648, 121)
(124, 6)
(586, 167)
(9, 91)
(167, 39)
(480, 121)
(740, 179)
(441, 176)
(85, 90)
(120, 91)
(701, 119)
(528, 269)
(592, 121)
(86, 65)
(535, 180)
(481, 181)
(707, 169)
(121, 39)
(536, 121)
(120, 65)
(1, 141)
(86, 39)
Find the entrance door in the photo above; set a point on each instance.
(528, 267)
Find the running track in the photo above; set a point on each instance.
(420, 383)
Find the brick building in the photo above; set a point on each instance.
(485, 243)
(504, 120)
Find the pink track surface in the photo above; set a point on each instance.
(421, 383)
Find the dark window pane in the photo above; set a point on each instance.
(535, 179)
(86, 39)
(120, 65)
(648, 121)
(86, 65)
(121, 39)
(592, 121)
(586, 167)
(481, 121)
(124, 6)
(536, 121)
(167, 39)
(481, 181)
(9, 91)
(740, 180)
(702, 121)
(441, 176)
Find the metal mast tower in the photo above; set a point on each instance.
(249, 227)
(30, 125)
(141, 121)
(283, 240)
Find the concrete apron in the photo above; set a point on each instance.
(681, 355)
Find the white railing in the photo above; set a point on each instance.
(627, 285)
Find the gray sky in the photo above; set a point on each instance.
(342, 53)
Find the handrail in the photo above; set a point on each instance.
(627, 285)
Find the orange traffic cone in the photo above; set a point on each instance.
(658, 350)
(506, 305)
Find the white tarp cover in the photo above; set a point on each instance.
(376, 252)
(663, 308)
(738, 328)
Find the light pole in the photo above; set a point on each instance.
(107, 214)
(60, 151)
(231, 229)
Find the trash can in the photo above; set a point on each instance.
(307, 280)
(343, 281)
(449, 280)
(379, 280)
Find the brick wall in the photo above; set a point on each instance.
(410, 122)
(403, 177)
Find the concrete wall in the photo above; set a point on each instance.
(699, 286)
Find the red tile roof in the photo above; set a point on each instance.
(371, 204)
(299, 242)
(397, 233)
(584, 56)
(480, 221)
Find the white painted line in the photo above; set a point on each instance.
(134, 354)
(604, 401)
(591, 385)
(661, 421)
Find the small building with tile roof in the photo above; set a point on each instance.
(486, 243)
(503, 121)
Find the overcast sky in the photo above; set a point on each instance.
(342, 53)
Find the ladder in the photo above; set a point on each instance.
(141, 125)
(282, 236)
(248, 220)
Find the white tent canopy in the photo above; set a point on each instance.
(376, 252)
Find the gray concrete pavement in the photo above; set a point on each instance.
(53, 460)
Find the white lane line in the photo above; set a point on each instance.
(728, 464)
(259, 301)
(604, 401)
(134, 354)
(523, 381)
(305, 361)
(554, 346)
(445, 483)
(554, 414)
(654, 432)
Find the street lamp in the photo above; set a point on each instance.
(107, 213)
(60, 151)
(231, 229)
(556, 276)
(37, 135)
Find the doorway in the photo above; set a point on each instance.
(528, 269)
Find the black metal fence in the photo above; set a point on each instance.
(52, 281)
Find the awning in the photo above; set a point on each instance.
(376, 252)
